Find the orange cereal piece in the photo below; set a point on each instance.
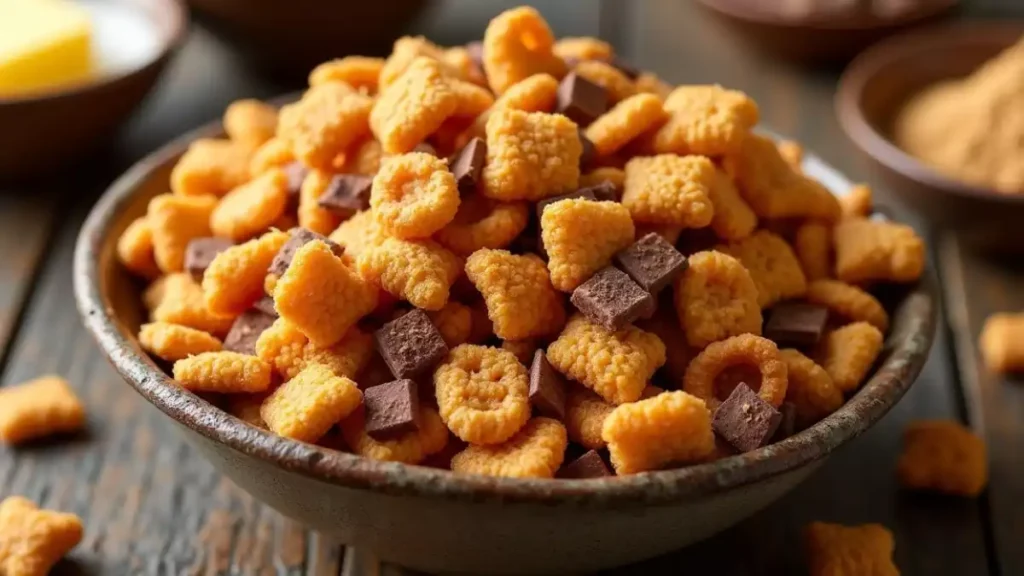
(233, 282)
(346, 358)
(420, 272)
(792, 152)
(521, 302)
(585, 413)
(858, 202)
(311, 215)
(357, 233)
(1000, 342)
(669, 428)
(733, 218)
(616, 176)
(708, 120)
(283, 347)
(473, 100)
(172, 342)
(454, 322)
(307, 406)
(649, 83)
(534, 94)
(251, 208)
(135, 249)
(536, 451)
(716, 298)
(250, 122)
(669, 189)
(518, 44)
(38, 408)
(836, 550)
(32, 541)
(813, 246)
(155, 292)
(459, 60)
(522, 349)
(411, 448)
(745, 350)
(175, 220)
(772, 265)
(321, 296)
(356, 71)
(179, 300)
(482, 393)
(848, 302)
(224, 372)
(365, 159)
(870, 251)
(943, 456)
(849, 353)
(627, 120)
(211, 167)
(406, 50)
(530, 156)
(414, 106)
(483, 223)
(274, 153)
(324, 123)
(617, 85)
(246, 407)
(809, 388)
(581, 236)
(414, 195)
(616, 365)
(583, 48)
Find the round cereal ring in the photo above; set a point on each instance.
(536, 451)
(716, 298)
(482, 394)
(414, 195)
(809, 388)
(745, 349)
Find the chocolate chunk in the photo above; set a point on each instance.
(467, 164)
(425, 148)
(246, 331)
(589, 152)
(796, 324)
(605, 191)
(476, 53)
(411, 345)
(392, 409)
(787, 426)
(745, 420)
(625, 67)
(585, 193)
(611, 299)
(266, 305)
(652, 262)
(580, 100)
(346, 194)
(295, 173)
(590, 465)
(297, 238)
(547, 387)
(200, 252)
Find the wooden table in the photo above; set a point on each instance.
(152, 506)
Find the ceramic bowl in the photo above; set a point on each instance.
(874, 89)
(436, 521)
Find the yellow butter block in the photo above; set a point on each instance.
(44, 44)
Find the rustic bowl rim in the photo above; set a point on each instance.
(914, 321)
(822, 23)
(880, 147)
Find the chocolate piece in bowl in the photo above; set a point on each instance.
(297, 238)
(589, 465)
(246, 331)
(580, 100)
(266, 305)
(796, 324)
(787, 426)
(610, 298)
(392, 409)
(410, 345)
(745, 420)
(651, 262)
(346, 194)
(547, 387)
(587, 156)
(295, 173)
(200, 252)
(467, 164)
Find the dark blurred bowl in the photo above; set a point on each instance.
(873, 90)
(290, 37)
(815, 39)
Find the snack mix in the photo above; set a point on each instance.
(525, 261)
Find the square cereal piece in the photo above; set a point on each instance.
(521, 301)
(172, 342)
(414, 106)
(873, 251)
(772, 264)
(707, 120)
(307, 406)
(535, 451)
(652, 262)
(624, 123)
(942, 456)
(411, 345)
(420, 272)
(669, 189)
(234, 280)
(612, 299)
(38, 408)
(581, 237)
(175, 221)
(251, 208)
(1002, 342)
(323, 124)
(850, 352)
(321, 296)
(211, 167)
(733, 219)
(178, 299)
(223, 372)
(530, 155)
(670, 428)
(836, 550)
(32, 540)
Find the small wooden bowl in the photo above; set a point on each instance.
(874, 89)
(42, 133)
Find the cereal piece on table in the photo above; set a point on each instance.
(200, 252)
(482, 394)
(321, 296)
(250, 122)
(483, 223)
(648, 82)
(346, 194)
(873, 251)
(356, 71)
(651, 262)
(176, 220)
(848, 302)
(135, 249)
(172, 342)
(410, 345)
(324, 123)
(181, 301)
(414, 106)
(589, 465)
(392, 409)
(468, 163)
(942, 456)
(849, 353)
(796, 324)
(733, 218)
(536, 451)
(858, 202)
(671, 428)
(518, 44)
(538, 93)
(1002, 342)
(708, 120)
(234, 280)
(33, 540)
(792, 152)
(224, 372)
(744, 350)
(454, 322)
(745, 420)
(547, 387)
(420, 272)
(246, 407)
(580, 100)
(813, 247)
(274, 153)
(616, 85)
(39, 408)
(669, 189)
(583, 48)
(412, 448)
(772, 265)
(836, 550)
(414, 195)
(211, 167)
(716, 298)
(615, 176)
(252, 207)
(612, 299)
(246, 331)
(307, 406)
(624, 122)
(310, 213)
(530, 156)
(616, 365)
(581, 237)
(585, 413)
(521, 301)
